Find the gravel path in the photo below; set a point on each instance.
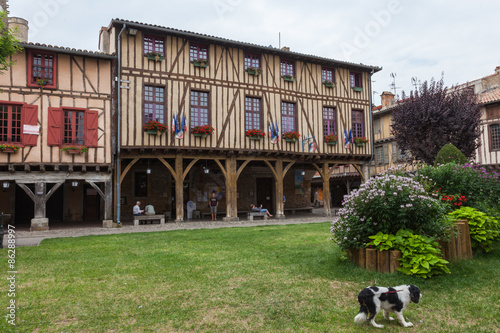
(28, 238)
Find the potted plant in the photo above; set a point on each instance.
(156, 56)
(289, 78)
(328, 83)
(331, 139)
(4, 148)
(202, 131)
(200, 63)
(74, 149)
(357, 89)
(360, 141)
(291, 136)
(154, 127)
(255, 134)
(254, 71)
(42, 83)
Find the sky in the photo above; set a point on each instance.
(409, 39)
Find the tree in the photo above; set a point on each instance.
(433, 116)
(9, 44)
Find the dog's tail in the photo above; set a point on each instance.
(362, 315)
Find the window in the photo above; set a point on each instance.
(327, 75)
(288, 117)
(379, 154)
(376, 126)
(154, 104)
(42, 69)
(13, 118)
(141, 184)
(74, 127)
(329, 123)
(252, 60)
(358, 124)
(199, 108)
(253, 113)
(495, 137)
(287, 68)
(355, 79)
(493, 111)
(198, 51)
(154, 44)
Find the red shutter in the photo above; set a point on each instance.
(29, 116)
(91, 126)
(54, 129)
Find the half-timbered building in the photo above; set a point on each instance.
(55, 136)
(187, 81)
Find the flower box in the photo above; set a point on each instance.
(290, 139)
(73, 150)
(328, 84)
(255, 134)
(255, 137)
(201, 135)
(254, 71)
(288, 78)
(154, 127)
(153, 132)
(359, 144)
(202, 63)
(8, 149)
(154, 56)
(332, 143)
(202, 131)
(358, 89)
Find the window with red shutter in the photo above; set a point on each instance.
(91, 126)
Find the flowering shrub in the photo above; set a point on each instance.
(360, 139)
(291, 135)
(449, 153)
(331, 138)
(153, 125)
(205, 129)
(80, 148)
(4, 146)
(256, 132)
(388, 203)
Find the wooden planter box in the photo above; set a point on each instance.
(74, 151)
(8, 150)
(288, 78)
(154, 57)
(380, 261)
(200, 135)
(253, 71)
(328, 84)
(358, 89)
(359, 144)
(332, 143)
(202, 64)
(255, 137)
(291, 140)
(458, 247)
(153, 132)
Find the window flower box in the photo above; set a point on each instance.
(202, 131)
(360, 141)
(254, 71)
(255, 134)
(154, 56)
(289, 78)
(328, 84)
(331, 139)
(74, 149)
(202, 63)
(358, 89)
(8, 149)
(154, 127)
(291, 136)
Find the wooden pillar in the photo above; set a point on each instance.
(280, 213)
(39, 200)
(108, 200)
(231, 190)
(326, 190)
(179, 190)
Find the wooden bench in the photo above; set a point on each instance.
(251, 215)
(137, 219)
(205, 214)
(302, 209)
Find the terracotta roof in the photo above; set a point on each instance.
(67, 50)
(490, 96)
(269, 49)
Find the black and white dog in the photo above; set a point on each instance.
(396, 299)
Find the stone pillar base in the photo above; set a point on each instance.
(329, 214)
(280, 217)
(110, 224)
(230, 219)
(179, 220)
(39, 224)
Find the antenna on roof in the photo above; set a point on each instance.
(393, 84)
(279, 40)
(415, 82)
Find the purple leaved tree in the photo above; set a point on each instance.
(433, 116)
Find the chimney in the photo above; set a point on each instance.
(497, 69)
(285, 48)
(20, 26)
(387, 99)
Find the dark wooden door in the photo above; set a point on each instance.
(265, 194)
(92, 204)
(54, 207)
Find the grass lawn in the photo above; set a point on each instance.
(260, 279)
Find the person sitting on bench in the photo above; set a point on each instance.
(149, 209)
(137, 209)
(260, 209)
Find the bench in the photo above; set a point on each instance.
(137, 219)
(251, 215)
(302, 209)
(205, 214)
